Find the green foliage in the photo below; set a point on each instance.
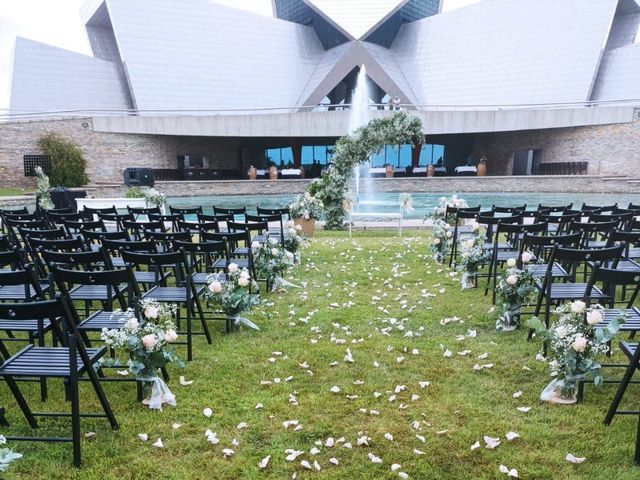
(68, 166)
(134, 192)
(355, 149)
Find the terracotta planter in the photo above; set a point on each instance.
(431, 170)
(389, 171)
(273, 173)
(308, 226)
(252, 173)
(482, 169)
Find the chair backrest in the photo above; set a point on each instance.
(182, 211)
(511, 210)
(49, 233)
(116, 245)
(278, 219)
(173, 218)
(248, 227)
(167, 238)
(231, 239)
(90, 261)
(540, 245)
(58, 245)
(74, 226)
(143, 210)
(463, 214)
(113, 279)
(571, 258)
(220, 217)
(97, 236)
(202, 254)
(14, 211)
(59, 218)
(283, 212)
(611, 278)
(161, 264)
(600, 208)
(137, 229)
(185, 226)
(22, 217)
(242, 211)
(91, 213)
(555, 208)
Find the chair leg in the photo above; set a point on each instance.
(622, 387)
(22, 403)
(189, 333)
(205, 327)
(637, 455)
(75, 420)
(165, 374)
(3, 420)
(106, 407)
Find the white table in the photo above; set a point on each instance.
(292, 171)
(466, 169)
(383, 217)
(420, 170)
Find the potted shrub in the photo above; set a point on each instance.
(305, 210)
(252, 173)
(388, 171)
(273, 172)
(431, 170)
(482, 167)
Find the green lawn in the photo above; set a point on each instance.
(12, 192)
(371, 279)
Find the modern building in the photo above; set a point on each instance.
(174, 84)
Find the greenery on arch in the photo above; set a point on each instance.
(355, 149)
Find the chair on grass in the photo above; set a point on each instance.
(235, 212)
(69, 363)
(460, 228)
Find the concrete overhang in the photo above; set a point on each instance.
(335, 123)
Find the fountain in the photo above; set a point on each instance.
(359, 116)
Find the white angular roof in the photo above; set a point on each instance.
(356, 18)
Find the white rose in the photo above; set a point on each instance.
(233, 268)
(436, 241)
(215, 287)
(288, 254)
(594, 317)
(244, 273)
(298, 227)
(272, 241)
(151, 312)
(512, 280)
(149, 341)
(468, 243)
(449, 234)
(292, 232)
(511, 262)
(255, 245)
(475, 226)
(243, 281)
(171, 336)
(274, 251)
(446, 226)
(526, 257)
(307, 216)
(131, 324)
(579, 344)
(561, 331)
(578, 306)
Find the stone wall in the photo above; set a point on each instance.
(107, 154)
(609, 149)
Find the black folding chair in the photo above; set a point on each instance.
(183, 293)
(235, 212)
(460, 228)
(69, 362)
(90, 213)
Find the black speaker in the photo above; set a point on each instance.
(139, 177)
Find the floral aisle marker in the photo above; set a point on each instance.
(273, 262)
(574, 341)
(147, 341)
(473, 255)
(152, 196)
(293, 239)
(7, 455)
(233, 294)
(515, 288)
(442, 227)
(42, 189)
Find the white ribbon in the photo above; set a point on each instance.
(160, 393)
(238, 320)
(280, 282)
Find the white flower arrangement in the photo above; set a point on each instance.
(473, 255)
(515, 288)
(154, 197)
(272, 261)
(292, 236)
(42, 189)
(232, 293)
(307, 207)
(574, 342)
(441, 238)
(440, 210)
(7, 455)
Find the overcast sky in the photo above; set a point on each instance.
(57, 22)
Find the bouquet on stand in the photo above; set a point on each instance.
(293, 239)
(473, 256)
(272, 263)
(574, 342)
(43, 186)
(233, 294)
(515, 288)
(442, 229)
(147, 340)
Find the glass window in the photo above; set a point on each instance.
(429, 154)
(404, 157)
(280, 156)
(378, 159)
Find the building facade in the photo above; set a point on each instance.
(533, 81)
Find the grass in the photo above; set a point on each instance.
(12, 192)
(458, 408)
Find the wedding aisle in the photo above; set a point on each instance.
(380, 366)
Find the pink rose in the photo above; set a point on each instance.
(579, 344)
(526, 257)
(171, 336)
(232, 268)
(215, 287)
(243, 281)
(149, 341)
(512, 280)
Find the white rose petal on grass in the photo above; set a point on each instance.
(124, 373)
(403, 475)
(184, 382)
(334, 461)
(364, 440)
(235, 442)
(158, 443)
(573, 459)
(314, 451)
(513, 473)
(388, 436)
(329, 442)
(143, 437)
(511, 436)
(227, 452)
(176, 426)
(395, 467)
(418, 452)
(373, 458)
(518, 394)
(305, 464)
(207, 412)
(242, 425)
(259, 406)
(292, 454)
(335, 389)
(424, 384)
(264, 463)
(475, 446)
(523, 409)
(490, 442)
